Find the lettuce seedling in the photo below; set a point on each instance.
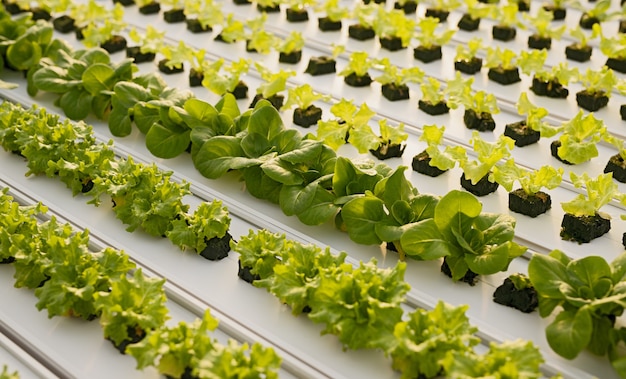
(335, 132)
(468, 51)
(480, 102)
(428, 336)
(446, 158)
(530, 181)
(363, 138)
(501, 58)
(302, 97)
(587, 295)
(258, 38)
(222, 79)
(488, 154)
(177, 56)
(208, 13)
(273, 81)
(333, 10)
(233, 30)
(578, 141)
(506, 16)
(96, 34)
(600, 191)
(359, 63)
(150, 42)
(394, 24)
(542, 22)
(469, 239)
(292, 43)
(428, 37)
(6, 374)
(534, 116)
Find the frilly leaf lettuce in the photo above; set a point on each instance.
(427, 337)
(360, 305)
(260, 251)
(296, 277)
(488, 155)
(209, 220)
(510, 359)
(530, 181)
(467, 237)
(133, 302)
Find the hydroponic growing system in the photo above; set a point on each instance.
(270, 161)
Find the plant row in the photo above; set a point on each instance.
(142, 196)
(70, 280)
(362, 307)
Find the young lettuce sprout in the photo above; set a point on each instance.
(366, 15)
(529, 131)
(355, 72)
(394, 80)
(297, 10)
(430, 42)
(303, 97)
(479, 110)
(596, 14)
(259, 39)
(175, 57)
(599, 85)
(580, 51)
(207, 14)
(507, 22)
(436, 100)
(434, 161)
(547, 82)
(232, 31)
(394, 29)
(440, 9)
(222, 80)
(290, 49)
(502, 64)
(150, 42)
(558, 8)
(335, 12)
(614, 48)
(616, 164)
(476, 11)
(273, 83)
(578, 142)
(105, 34)
(544, 31)
(388, 144)
(583, 220)
(529, 199)
(335, 133)
(477, 177)
(466, 60)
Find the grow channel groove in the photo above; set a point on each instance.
(427, 301)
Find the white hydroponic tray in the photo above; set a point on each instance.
(250, 314)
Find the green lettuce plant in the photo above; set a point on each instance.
(427, 35)
(187, 348)
(133, 306)
(193, 231)
(586, 294)
(579, 138)
(467, 238)
(394, 24)
(335, 132)
(360, 305)
(365, 139)
(517, 359)
(600, 191)
(208, 13)
(488, 154)
(534, 116)
(149, 42)
(222, 79)
(424, 341)
(530, 181)
(359, 63)
(446, 158)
